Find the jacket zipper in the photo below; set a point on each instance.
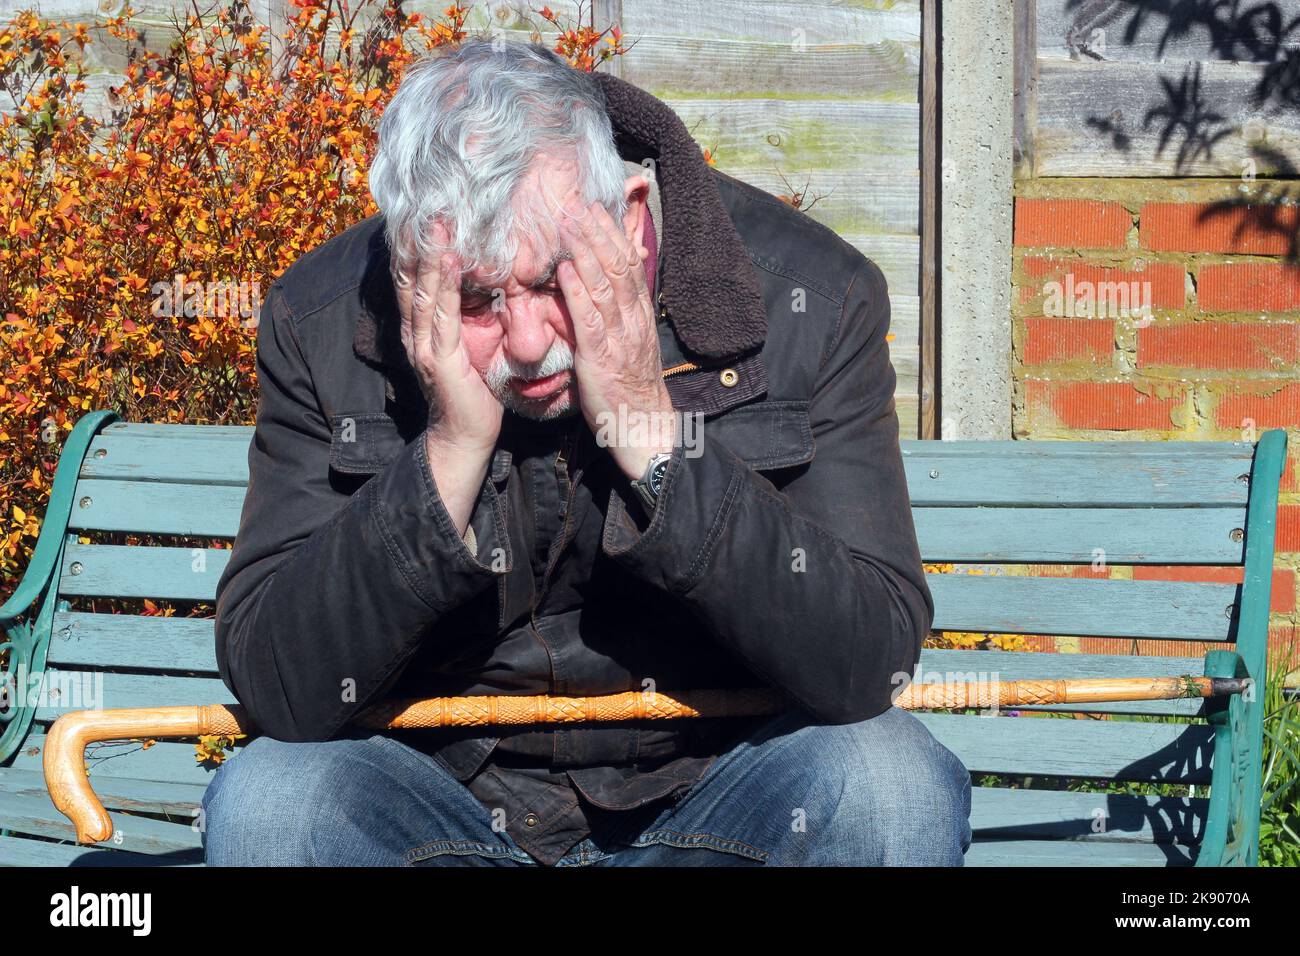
(684, 366)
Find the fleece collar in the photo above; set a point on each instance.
(708, 286)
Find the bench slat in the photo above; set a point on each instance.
(185, 574)
(173, 432)
(36, 815)
(1055, 535)
(1065, 747)
(1074, 535)
(210, 460)
(1075, 853)
(1019, 814)
(133, 641)
(180, 800)
(1076, 606)
(82, 690)
(15, 851)
(1127, 474)
(157, 508)
(165, 761)
(1138, 474)
(112, 570)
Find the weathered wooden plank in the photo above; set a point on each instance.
(850, 204)
(178, 800)
(931, 78)
(671, 67)
(1079, 535)
(203, 433)
(1165, 32)
(16, 851)
(68, 690)
(899, 258)
(36, 815)
(751, 134)
(1008, 604)
(1090, 818)
(164, 762)
(121, 571)
(1139, 473)
(905, 336)
(133, 641)
(1109, 119)
(1162, 450)
(1063, 747)
(908, 409)
(157, 508)
(208, 458)
(961, 535)
(1114, 474)
(1025, 97)
(822, 21)
(995, 852)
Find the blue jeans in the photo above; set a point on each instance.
(882, 792)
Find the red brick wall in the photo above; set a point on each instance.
(1215, 356)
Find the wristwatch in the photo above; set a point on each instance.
(648, 486)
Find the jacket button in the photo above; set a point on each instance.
(531, 820)
(728, 377)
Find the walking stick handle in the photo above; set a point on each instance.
(64, 760)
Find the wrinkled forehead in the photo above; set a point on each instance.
(531, 268)
(548, 192)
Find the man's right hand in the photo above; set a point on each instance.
(464, 415)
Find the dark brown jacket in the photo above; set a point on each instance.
(784, 555)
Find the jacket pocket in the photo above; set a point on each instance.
(362, 443)
(767, 435)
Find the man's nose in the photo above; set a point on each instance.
(529, 333)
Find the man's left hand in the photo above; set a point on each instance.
(616, 357)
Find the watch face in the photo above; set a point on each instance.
(657, 473)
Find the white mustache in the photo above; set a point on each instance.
(558, 358)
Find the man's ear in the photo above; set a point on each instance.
(637, 191)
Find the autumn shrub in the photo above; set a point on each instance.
(135, 240)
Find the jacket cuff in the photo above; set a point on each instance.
(697, 497)
(442, 567)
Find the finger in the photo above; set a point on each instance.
(424, 295)
(591, 272)
(403, 285)
(591, 338)
(445, 320)
(616, 259)
(629, 261)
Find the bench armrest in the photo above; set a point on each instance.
(1232, 834)
(26, 637)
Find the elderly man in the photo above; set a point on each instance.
(576, 415)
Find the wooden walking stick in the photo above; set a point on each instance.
(71, 792)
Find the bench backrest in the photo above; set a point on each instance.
(994, 505)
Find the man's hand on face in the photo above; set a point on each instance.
(616, 357)
(464, 413)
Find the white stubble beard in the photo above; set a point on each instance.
(558, 358)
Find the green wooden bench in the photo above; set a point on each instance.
(980, 503)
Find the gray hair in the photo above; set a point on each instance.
(464, 127)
